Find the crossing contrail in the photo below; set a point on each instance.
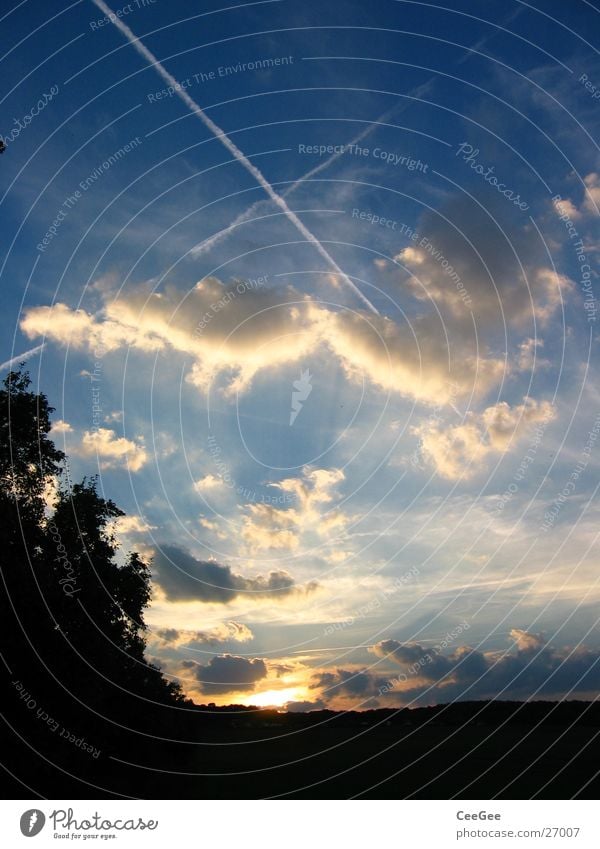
(16, 360)
(231, 147)
(247, 214)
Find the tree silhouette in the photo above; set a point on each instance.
(71, 604)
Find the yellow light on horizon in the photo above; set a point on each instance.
(276, 698)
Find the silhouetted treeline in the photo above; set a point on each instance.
(79, 689)
(488, 713)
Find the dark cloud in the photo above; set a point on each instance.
(347, 682)
(304, 707)
(505, 275)
(281, 668)
(226, 632)
(228, 673)
(169, 635)
(416, 660)
(530, 668)
(183, 578)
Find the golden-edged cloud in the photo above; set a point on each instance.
(112, 450)
(232, 336)
(182, 577)
(266, 526)
(458, 451)
(226, 632)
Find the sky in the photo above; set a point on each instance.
(312, 288)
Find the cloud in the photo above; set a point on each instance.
(462, 262)
(564, 206)
(346, 682)
(228, 673)
(115, 416)
(235, 632)
(458, 451)
(132, 525)
(528, 357)
(212, 526)
(533, 667)
(232, 336)
(61, 426)
(530, 668)
(526, 641)
(207, 482)
(183, 578)
(81, 330)
(305, 707)
(266, 526)
(111, 450)
(426, 663)
(591, 203)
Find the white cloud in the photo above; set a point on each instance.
(61, 426)
(529, 357)
(266, 526)
(132, 525)
(235, 632)
(458, 451)
(115, 416)
(232, 337)
(81, 330)
(564, 206)
(111, 450)
(207, 482)
(591, 203)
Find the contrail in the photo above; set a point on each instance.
(216, 238)
(231, 147)
(15, 360)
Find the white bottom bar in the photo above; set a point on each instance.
(299, 824)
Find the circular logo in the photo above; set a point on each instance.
(32, 822)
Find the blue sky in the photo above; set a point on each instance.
(422, 298)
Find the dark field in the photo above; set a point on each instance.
(471, 750)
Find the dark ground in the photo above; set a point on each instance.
(476, 750)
